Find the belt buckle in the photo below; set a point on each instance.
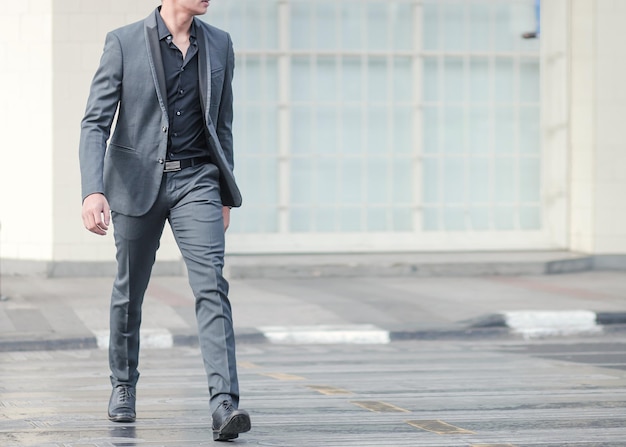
(172, 166)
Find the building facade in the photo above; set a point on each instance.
(360, 126)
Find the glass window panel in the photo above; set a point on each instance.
(402, 180)
(530, 179)
(504, 39)
(302, 177)
(454, 219)
(376, 219)
(402, 81)
(430, 219)
(350, 219)
(479, 218)
(326, 180)
(301, 219)
(479, 130)
(377, 183)
(430, 25)
(352, 80)
(479, 27)
(504, 82)
(479, 179)
(325, 25)
(377, 80)
(377, 25)
(402, 124)
(453, 80)
(530, 140)
(401, 25)
(431, 79)
(530, 217)
(254, 124)
(453, 135)
(377, 130)
(326, 80)
(455, 24)
(301, 81)
(301, 130)
(430, 129)
(504, 218)
(269, 135)
(326, 219)
(479, 80)
(504, 130)
(351, 181)
(454, 180)
(402, 219)
(529, 81)
(352, 131)
(504, 180)
(352, 25)
(254, 17)
(301, 25)
(430, 179)
(325, 138)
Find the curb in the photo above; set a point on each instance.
(528, 324)
(546, 323)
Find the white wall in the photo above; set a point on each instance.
(26, 128)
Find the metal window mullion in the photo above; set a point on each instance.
(516, 139)
(491, 64)
(440, 124)
(417, 139)
(284, 117)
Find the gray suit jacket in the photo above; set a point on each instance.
(130, 81)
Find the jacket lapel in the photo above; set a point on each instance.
(204, 71)
(156, 62)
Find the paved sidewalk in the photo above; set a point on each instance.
(63, 313)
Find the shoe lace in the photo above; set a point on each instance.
(227, 405)
(125, 393)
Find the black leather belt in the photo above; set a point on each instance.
(177, 165)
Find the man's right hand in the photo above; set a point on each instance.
(96, 213)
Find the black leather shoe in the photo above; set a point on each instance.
(122, 404)
(228, 422)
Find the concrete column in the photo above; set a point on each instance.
(50, 50)
(597, 129)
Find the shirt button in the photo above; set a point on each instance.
(175, 134)
(161, 161)
(178, 113)
(164, 129)
(181, 91)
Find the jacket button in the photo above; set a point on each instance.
(161, 161)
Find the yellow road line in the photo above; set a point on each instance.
(380, 407)
(247, 365)
(440, 427)
(282, 376)
(329, 390)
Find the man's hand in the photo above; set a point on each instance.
(96, 213)
(226, 216)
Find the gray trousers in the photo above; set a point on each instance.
(190, 200)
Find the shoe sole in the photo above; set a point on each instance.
(122, 418)
(238, 424)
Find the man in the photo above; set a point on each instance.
(170, 157)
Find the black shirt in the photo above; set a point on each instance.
(186, 134)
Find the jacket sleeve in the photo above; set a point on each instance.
(224, 125)
(102, 104)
